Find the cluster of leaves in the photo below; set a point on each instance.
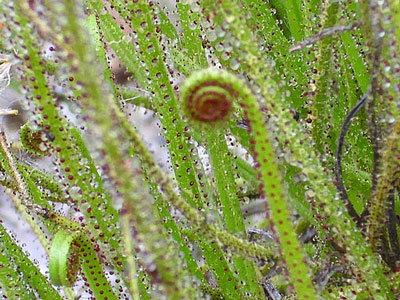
(309, 90)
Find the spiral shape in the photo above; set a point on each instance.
(208, 95)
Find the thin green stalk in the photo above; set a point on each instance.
(130, 258)
(219, 86)
(22, 200)
(389, 172)
(222, 166)
(78, 170)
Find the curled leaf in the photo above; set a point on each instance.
(209, 95)
(72, 252)
(64, 258)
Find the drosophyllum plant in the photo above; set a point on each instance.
(277, 174)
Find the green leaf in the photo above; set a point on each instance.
(71, 251)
